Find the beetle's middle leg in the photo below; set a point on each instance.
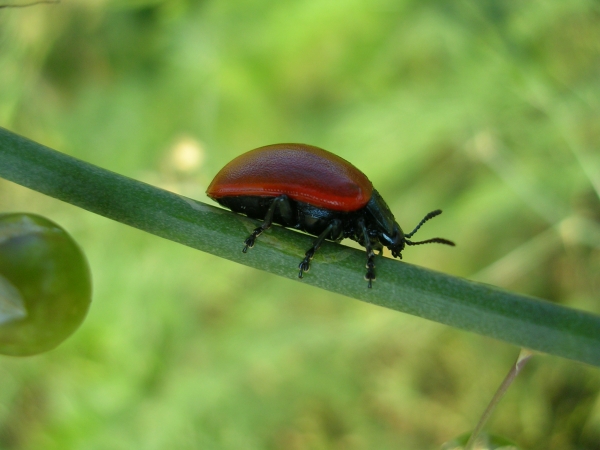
(283, 204)
(332, 231)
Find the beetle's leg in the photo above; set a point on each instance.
(283, 203)
(370, 275)
(333, 229)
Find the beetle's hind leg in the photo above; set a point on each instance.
(333, 230)
(283, 203)
(370, 275)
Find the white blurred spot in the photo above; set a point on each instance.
(186, 155)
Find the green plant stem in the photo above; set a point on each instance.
(524, 356)
(487, 310)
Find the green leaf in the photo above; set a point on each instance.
(521, 320)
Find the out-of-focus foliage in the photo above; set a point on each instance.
(485, 442)
(47, 280)
(487, 110)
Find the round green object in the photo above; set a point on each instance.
(45, 284)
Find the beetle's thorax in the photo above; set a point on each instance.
(389, 233)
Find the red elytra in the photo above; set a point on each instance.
(302, 172)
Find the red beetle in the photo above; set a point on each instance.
(310, 189)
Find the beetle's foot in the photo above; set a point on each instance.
(304, 266)
(252, 239)
(370, 277)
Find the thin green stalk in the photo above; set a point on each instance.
(524, 356)
(487, 310)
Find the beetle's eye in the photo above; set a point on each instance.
(385, 239)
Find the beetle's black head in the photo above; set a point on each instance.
(395, 240)
(389, 232)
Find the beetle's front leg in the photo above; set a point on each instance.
(370, 275)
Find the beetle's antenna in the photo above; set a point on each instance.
(431, 241)
(431, 215)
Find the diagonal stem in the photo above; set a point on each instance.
(484, 309)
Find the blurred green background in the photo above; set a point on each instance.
(488, 110)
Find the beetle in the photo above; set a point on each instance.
(310, 189)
